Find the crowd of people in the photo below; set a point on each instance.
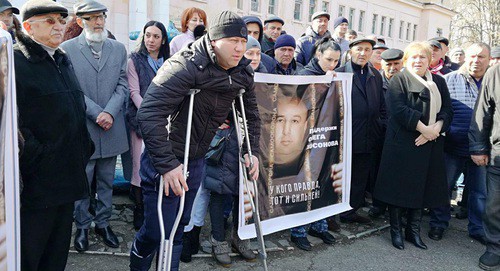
(421, 118)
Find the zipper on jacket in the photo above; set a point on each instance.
(230, 80)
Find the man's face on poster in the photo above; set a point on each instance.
(291, 125)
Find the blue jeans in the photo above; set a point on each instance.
(475, 180)
(147, 239)
(319, 226)
(491, 219)
(200, 208)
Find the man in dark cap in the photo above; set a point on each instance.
(316, 31)
(105, 61)
(392, 64)
(495, 55)
(272, 30)
(7, 12)
(57, 147)
(437, 65)
(215, 65)
(368, 118)
(447, 61)
(284, 63)
(340, 27)
(376, 58)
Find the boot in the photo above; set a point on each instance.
(190, 244)
(220, 252)
(414, 218)
(136, 195)
(139, 263)
(242, 247)
(396, 227)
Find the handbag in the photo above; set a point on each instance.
(217, 147)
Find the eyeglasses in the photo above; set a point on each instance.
(94, 18)
(50, 21)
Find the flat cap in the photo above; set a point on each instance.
(5, 5)
(442, 39)
(495, 52)
(435, 43)
(380, 46)
(360, 40)
(88, 6)
(392, 54)
(39, 7)
(319, 14)
(274, 19)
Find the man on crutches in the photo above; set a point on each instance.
(214, 64)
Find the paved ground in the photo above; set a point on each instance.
(357, 248)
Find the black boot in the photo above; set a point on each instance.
(136, 195)
(396, 227)
(414, 218)
(195, 240)
(190, 244)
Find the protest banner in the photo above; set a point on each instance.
(9, 165)
(304, 146)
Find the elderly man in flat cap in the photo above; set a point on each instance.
(316, 31)
(446, 60)
(272, 30)
(368, 118)
(100, 66)
(52, 120)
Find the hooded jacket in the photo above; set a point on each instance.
(265, 60)
(305, 44)
(194, 67)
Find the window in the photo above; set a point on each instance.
(374, 24)
(312, 7)
(351, 17)
(382, 25)
(272, 7)
(361, 20)
(408, 29)
(255, 5)
(240, 4)
(341, 11)
(297, 12)
(326, 6)
(391, 25)
(401, 26)
(414, 32)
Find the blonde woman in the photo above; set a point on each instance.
(412, 171)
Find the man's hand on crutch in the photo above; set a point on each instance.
(254, 171)
(175, 179)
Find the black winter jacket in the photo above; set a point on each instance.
(368, 110)
(194, 67)
(52, 120)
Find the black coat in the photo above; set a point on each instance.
(411, 176)
(368, 110)
(52, 120)
(194, 67)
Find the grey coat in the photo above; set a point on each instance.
(105, 86)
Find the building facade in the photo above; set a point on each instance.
(398, 21)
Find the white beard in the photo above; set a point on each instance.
(95, 36)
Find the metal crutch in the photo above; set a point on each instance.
(166, 245)
(254, 204)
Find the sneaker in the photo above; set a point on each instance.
(220, 252)
(489, 261)
(302, 243)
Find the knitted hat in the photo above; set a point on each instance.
(284, 40)
(338, 21)
(5, 5)
(38, 7)
(252, 43)
(227, 24)
(88, 6)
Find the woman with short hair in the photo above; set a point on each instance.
(412, 170)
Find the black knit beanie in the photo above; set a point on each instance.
(227, 24)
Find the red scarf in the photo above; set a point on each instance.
(437, 69)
